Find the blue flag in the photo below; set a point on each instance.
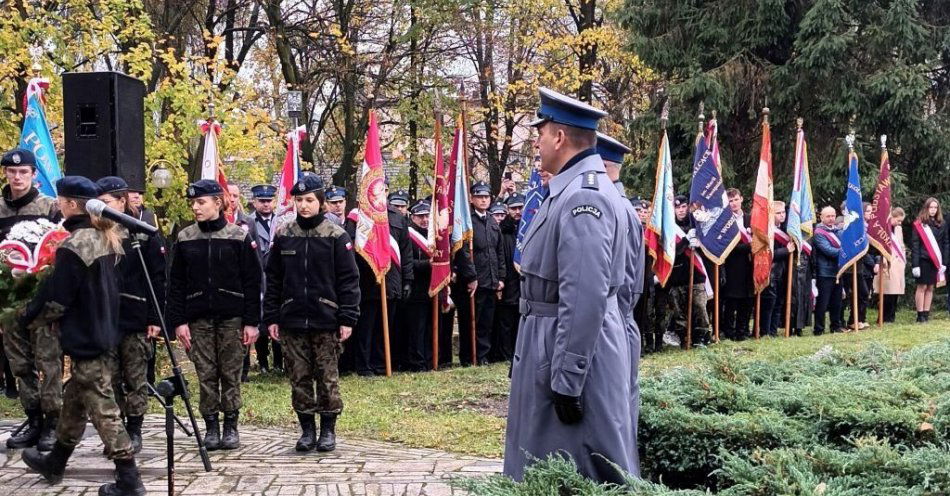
(36, 138)
(854, 233)
(801, 207)
(716, 227)
(532, 203)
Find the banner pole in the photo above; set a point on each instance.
(382, 295)
(689, 306)
(716, 302)
(757, 318)
(854, 295)
(880, 293)
(435, 332)
(788, 294)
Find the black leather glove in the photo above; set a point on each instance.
(406, 290)
(568, 408)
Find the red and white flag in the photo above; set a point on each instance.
(291, 169)
(372, 226)
(440, 220)
(211, 165)
(36, 86)
(763, 215)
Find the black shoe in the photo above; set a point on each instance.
(244, 379)
(128, 481)
(327, 441)
(230, 439)
(133, 425)
(920, 317)
(30, 434)
(10, 390)
(927, 316)
(212, 433)
(51, 466)
(48, 433)
(308, 427)
(265, 369)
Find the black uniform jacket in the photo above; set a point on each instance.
(216, 274)
(487, 251)
(312, 279)
(511, 294)
(136, 309)
(31, 206)
(81, 293)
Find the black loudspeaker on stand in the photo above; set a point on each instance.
(104, 126)
(173, 386)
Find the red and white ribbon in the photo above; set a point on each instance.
(933, 250)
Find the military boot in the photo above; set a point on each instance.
(128, 482)
(48, 432)
(51, 466)
(30, 434)
(212, 433)
(230, 439)
(308, 427)
(327, 441)
(133, 425)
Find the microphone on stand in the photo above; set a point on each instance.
(100, 209)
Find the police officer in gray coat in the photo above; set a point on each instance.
(571, 389)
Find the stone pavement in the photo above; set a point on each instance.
(266, 464)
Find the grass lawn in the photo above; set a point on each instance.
(463, 409)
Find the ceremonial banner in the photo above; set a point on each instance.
(440, 221)
(716, 227)
(211, 166)
(536, 194)
(879, 224)
(660, 233)
(801, 206)
(462, 212)
(36, 138)
(372, 226)
(854, 238)
(290, 172)
(763, 215)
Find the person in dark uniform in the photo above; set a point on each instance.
(81, 296)
(651, 341)
(488, 257)
(138, 321)
(311, 304)
(771, 315)
(498, 211)
(399, 201)
(33, 358)
(678, 283)
(214, 305)
(505, 326)
(336, 204)
(137, 202)
(264, 224)
(737, 288)
(417, 309)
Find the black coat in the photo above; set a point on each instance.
(679, 275)
(216, 273)
(82, 293)
(488, 252)
(737, 270)
(399, 276)
(918, 252)
(312, 279)
(509, 237)
(136, 309)
(422, 270)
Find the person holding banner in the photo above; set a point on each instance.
(738, 301)
(505, 326)
(930, 250)
(35, 355)
(417, 309)
(687, 254)
(893, 274)
(827, 247)
(773, 296)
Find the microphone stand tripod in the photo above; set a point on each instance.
(176, 385)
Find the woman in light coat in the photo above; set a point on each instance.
(894, 270)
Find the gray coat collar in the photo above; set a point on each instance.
(591, 163)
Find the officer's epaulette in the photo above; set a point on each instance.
(590, 180)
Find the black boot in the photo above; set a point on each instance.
(133, 425)
(927, 316)
(48, 433)
(51, 466)
(327, 441)
(920, 317)
(230, 439)
(30, 434)
(128, 482)
(308, 427)
(212, 433)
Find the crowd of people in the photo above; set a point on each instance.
(295, 290)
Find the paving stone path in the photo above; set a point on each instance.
(266, 464)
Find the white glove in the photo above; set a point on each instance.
(694, 242)
(691, 234)
(916, 272)
(656, 280)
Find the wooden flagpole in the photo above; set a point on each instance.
(716, 302)
(880, 293)
(471, 243)
(382, 295)
(788, 294)
(758, 312)
(689, 304)
(435, 332)
(854, 295)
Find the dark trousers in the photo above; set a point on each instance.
(890, 307)
(365, 347)
(736, 315)
(766, 312)
(864, 296)
(829, 301)
(263, 345)
(504, 332)
(484, 313)
(641, 316)
(778, 314)
(446, 328)
(416, 336)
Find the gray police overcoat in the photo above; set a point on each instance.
(572, 338)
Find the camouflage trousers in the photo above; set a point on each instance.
(89, 395)
(129, 383)
(679, 299)
(311, 358)
(218, 355)
(36, 359)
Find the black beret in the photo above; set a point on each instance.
(17, 157)
(112, 184)
(307, 184)
(680, 200)
(204, 187)
(77, 187)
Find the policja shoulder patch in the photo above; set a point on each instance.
(586, 209)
